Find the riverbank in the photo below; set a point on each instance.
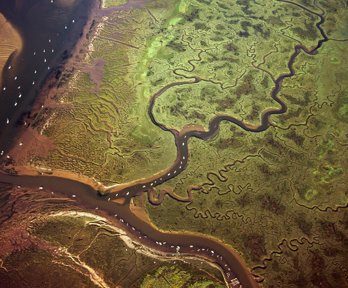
(173, 244)
(30, 141)
(42, 171)
(137, 216)
(10, 42)
(47, 43)
(46, 99)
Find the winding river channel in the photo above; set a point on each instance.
(235, 272)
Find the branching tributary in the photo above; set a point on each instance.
(235, 272)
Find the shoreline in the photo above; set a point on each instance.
(137, 211)
(47, 172)
(212, 250)
(11, 39)
(45, 100)
(14, 114)
(133, 242)
(50, 83)
(49, 87)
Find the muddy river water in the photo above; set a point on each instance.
(174, 244)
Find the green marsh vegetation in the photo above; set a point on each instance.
(279, 196)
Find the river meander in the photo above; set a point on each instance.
(34, 54)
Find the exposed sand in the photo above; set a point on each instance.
(140, 210)
(10, 41)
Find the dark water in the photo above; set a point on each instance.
(49, 32)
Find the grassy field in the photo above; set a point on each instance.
(102, 129)
(113, 3)
(52, 243)
(237, 58)
(98, 246)
(278, 197)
